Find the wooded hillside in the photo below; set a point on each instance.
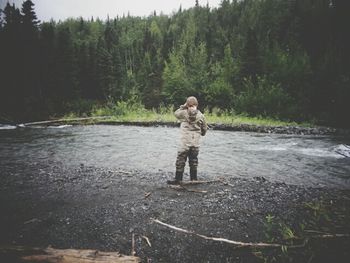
(275, 58)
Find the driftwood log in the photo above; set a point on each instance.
(52, 255)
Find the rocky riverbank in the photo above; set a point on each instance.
(93, 208)
(247, 128)
(300, 130)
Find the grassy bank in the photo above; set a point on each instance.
(136, 112)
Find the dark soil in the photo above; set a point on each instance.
(94, 208)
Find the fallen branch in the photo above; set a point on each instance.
(34, 220)
(227, 183)
(52, 255)
(315, 231)
(220, 180)
(331, 236)
(64, 120)
(147, 240)
(249, 244)
(199, 182)
(180, 187)
(237, 243)
(124, 173)
(133, 253)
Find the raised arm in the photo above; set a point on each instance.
(181, 112)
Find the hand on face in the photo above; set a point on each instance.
(192, 107)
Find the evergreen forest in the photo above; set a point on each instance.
(284, 59)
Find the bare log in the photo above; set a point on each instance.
(52, 255)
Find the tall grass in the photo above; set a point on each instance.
(134, 111)
(131, 111)
(232, 118)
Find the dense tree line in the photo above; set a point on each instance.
(278, 58)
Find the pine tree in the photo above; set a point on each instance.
(1, 20)
(66, 66)
(11, 90)
(176, 82)
(110, 36)
(47, 61)
(30, 53)
(220, 91)
(105, 72)
(30, 20)
(251, 65)
(197, 70)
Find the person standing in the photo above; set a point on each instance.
(193, 126)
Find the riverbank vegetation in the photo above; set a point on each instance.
(285, 60)
(319, 236)
(132, 111)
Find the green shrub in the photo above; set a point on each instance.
(119, 108)
(79, 107)
(263, 97)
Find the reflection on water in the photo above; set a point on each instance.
(302, 160)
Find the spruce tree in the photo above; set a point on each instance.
(30, 20)
(66, 66)
(105, 72)
(30, 56)
(12, 97)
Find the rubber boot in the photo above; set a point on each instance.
(193, 174)
(178, 178)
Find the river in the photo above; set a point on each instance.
(311, 161)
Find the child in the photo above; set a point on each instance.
(193, 126)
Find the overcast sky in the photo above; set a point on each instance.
(62, 9)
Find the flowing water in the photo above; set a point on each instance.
(316, 161)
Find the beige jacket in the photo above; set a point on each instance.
(191, 130)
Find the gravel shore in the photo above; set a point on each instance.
(95, 208)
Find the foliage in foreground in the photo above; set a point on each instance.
(312, 238)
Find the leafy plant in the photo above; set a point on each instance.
(263, 97)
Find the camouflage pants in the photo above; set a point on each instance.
(192, 154)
